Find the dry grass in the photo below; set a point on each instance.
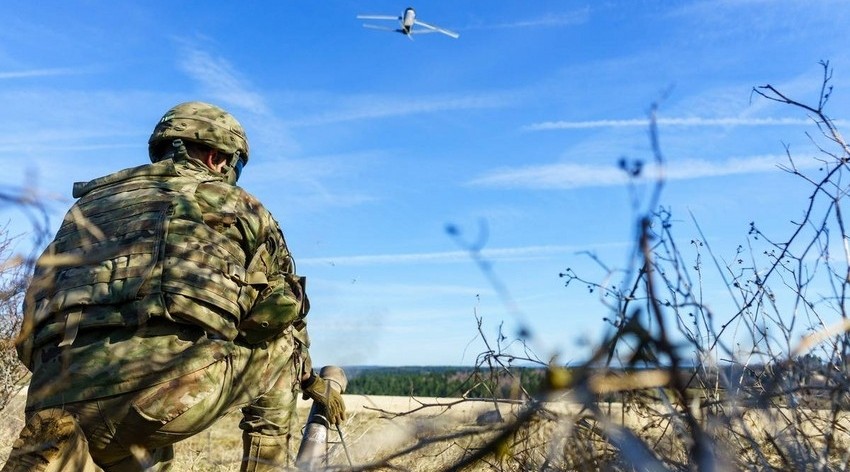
(370, 434)
(429, 434)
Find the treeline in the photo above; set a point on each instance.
(442, 381)
(807, 374)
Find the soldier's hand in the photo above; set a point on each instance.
(320, 391)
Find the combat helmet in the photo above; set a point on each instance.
(202, 123)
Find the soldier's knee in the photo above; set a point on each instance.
(47, 430)
(51, 438)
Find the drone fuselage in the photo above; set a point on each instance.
(408, 20)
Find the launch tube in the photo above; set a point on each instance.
(315, 439)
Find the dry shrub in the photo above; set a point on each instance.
(12, 285)
(675, 386)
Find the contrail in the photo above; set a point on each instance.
(552, 125)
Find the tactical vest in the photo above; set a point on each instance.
(135, 245)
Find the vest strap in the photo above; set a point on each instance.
(72, 327)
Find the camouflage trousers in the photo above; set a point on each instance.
(137, 430)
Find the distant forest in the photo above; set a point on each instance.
(807, 372)
(440, 381)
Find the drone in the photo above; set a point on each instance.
(408, 24)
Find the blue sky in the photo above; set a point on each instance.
(366, 145)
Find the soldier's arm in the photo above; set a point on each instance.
(283, 301)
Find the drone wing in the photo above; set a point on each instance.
(382, 28)
(435, 29)
(378, 17)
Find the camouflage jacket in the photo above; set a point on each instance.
(169, 242)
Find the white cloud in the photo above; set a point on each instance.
(64, 140)
(572, 18)
(563, 176)
(517, 253)
(350, 108)
(269, 136)
(221, 80)
(552, 176)
(368, 292)
(796, 19)
(692, 121)
(26, 74)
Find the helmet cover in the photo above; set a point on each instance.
(202, 123)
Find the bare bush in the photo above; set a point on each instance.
(12, 286)
(15, 269)
(671, 387)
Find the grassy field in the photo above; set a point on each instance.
(371, 433)
(430, 434)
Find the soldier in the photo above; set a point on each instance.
(167, 299)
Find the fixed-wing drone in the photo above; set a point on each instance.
(408, 24)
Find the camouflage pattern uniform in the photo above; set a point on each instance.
(167, 299)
